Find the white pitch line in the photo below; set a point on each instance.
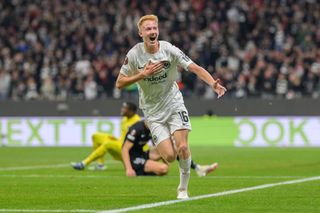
(43, 166)
(34, 167)
(165, 203)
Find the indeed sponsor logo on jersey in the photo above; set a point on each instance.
(156, 78)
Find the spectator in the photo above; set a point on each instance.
(5, 80)
(48, 89)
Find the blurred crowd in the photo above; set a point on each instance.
(73, 49)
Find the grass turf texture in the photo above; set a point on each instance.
(67, 189)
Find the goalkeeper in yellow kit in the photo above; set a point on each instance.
(106, 143)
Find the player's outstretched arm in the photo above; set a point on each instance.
(206, 77)
(127, 145)
(123, 80)
(148, 70)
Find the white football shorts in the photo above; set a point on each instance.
(165, 123)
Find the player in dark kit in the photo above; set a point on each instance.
(138, 162)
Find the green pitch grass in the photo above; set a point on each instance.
(42, 179)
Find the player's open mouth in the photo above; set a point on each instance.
(153, 38)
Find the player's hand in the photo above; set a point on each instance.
(152, 68)
(130, 173)
(218, 88)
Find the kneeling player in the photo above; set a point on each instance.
(138, 162)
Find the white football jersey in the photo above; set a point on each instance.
(161, 90)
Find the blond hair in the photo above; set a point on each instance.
(145, 18)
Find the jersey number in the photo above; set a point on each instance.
(184, 116)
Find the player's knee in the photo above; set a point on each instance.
(183, 148)
(163, 170)
(171, 157)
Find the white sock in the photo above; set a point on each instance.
(184, 167)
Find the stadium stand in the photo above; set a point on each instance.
(58, 50)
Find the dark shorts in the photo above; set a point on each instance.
(138, 162)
